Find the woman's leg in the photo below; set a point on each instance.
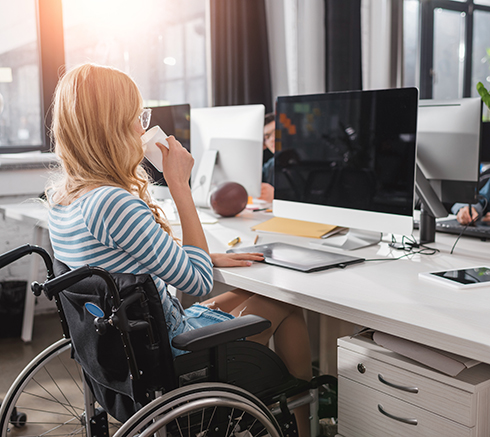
(227, 301)
(291, 338)
(291, 342)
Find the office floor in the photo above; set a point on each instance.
(15, 354)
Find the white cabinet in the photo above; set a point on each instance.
(382, 393)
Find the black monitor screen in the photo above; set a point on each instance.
(485, 142)
(352, 149)
(174, 120)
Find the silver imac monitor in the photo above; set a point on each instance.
(448, 157)
(226, 144)
(448, 146)
(348, 159)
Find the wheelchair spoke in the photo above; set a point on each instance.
(210, 420)
(230, 422)
(70, 411)
(49, 432)
(48, 397)
(60, 391)
(180, 430)
(202, 422)
(27, 409)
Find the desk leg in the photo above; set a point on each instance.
(30, 302)
(330, 330)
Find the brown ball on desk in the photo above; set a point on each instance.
(229, 199)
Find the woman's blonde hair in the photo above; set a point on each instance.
(95, 109)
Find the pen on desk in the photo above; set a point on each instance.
(256, 239)
(259, 209)
(235, 240)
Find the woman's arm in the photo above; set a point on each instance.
(177, 166)
(124, 224)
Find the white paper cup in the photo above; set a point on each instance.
(152, 152)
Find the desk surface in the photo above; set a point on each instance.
(383, 295)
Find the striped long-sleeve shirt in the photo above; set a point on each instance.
(112, 229)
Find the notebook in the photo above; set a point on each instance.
(299, 258)
(299, 228)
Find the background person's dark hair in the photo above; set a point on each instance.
(269, 118)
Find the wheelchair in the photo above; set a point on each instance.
(113, 373)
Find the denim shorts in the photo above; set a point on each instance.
(180, 321)
(198, 316)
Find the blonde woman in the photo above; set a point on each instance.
(101, 213)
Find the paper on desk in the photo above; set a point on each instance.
(222, 236)
(444, 362)
(296, 227)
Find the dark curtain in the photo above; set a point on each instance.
(239, 53)
(343, 45)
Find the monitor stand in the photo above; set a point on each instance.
(354, 239)
(201, 184)
(159, 192)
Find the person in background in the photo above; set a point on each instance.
(267, 189)
(101, 214)
(478, 210)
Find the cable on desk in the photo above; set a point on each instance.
(410, 245)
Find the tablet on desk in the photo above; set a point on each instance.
(472, 277)
(299, 258)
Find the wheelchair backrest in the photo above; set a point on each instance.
(102, 355)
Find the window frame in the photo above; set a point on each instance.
(427, 41)
(51, 49)
(52, 58)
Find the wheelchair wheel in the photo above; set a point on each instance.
(206, 409)
(50, 394)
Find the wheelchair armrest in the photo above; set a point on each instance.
(220, 333)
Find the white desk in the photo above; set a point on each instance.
(33, 214)
(387, 295)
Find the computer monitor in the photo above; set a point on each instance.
(174, 120)
(227, 146)
(485, 142)
(348, 159)
(448, 157)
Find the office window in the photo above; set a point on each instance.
(453, 47)
(481, 49)
(449, 52)
(160, 43)
(20, 86)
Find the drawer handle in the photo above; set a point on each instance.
(399, 387)
(400, 419)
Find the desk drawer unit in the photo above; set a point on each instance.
(384, 394)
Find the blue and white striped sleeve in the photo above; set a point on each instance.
(120, 220)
